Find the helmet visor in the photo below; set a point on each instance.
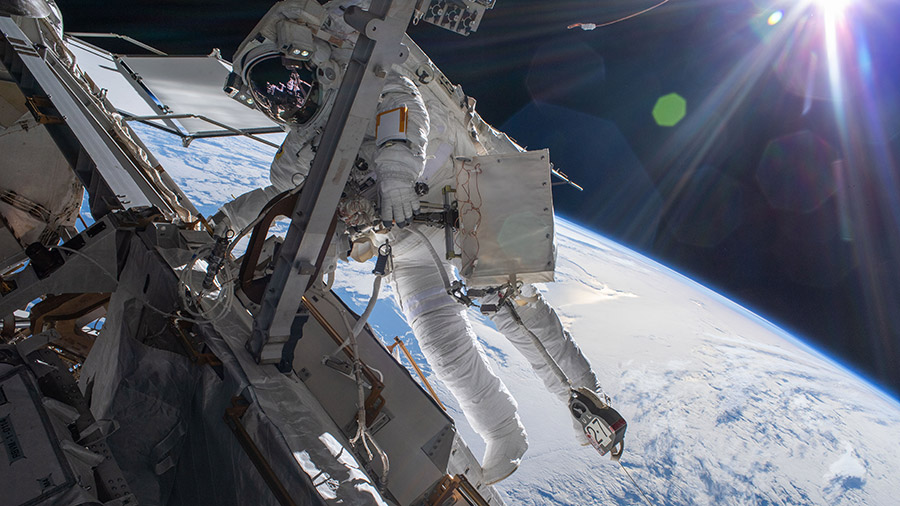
(285, 91)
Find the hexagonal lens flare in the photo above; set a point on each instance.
(669, 110)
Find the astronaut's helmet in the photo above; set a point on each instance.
(286, 90)
(290, 66)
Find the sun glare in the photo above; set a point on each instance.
(832, 6)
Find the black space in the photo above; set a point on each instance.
(812, 249)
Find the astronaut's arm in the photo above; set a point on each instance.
(289, 169)
(238, 213)
(292, 162)
(401, 138)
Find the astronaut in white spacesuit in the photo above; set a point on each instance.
(302, 98)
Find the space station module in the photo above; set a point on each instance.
(183, 395)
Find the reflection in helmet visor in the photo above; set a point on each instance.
(284, 94)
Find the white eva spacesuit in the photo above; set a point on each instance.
(419, 137)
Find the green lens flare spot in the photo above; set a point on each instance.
(669, 110)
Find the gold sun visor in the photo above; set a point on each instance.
(287, 91)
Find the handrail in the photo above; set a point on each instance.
(565, 179)
(118, 36)
(233, 130)
(416, 367)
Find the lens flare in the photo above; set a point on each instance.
(833, 6)
(775, 17)
(669, 110)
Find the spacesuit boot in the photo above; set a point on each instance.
(589, 382)
(602, 400)
(604, 426)
(503, 452)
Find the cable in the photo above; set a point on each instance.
(591, 26)
(89, 259)
(363, 318)
(538, 345)
(362, 432)
(104, 270)
(635, 483)
(361, 322)
(385, 463)
(467, 206)
(346, 343)
(434, 257)
(222, 301)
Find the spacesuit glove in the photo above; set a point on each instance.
(397, 201)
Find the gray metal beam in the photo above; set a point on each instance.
(378, 47)
(35, 77)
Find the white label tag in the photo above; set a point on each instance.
(391, 126)
(599, 432)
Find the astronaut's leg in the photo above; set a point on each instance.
(541, 320)
(537, 319)
(448, 342)
(594, 421)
